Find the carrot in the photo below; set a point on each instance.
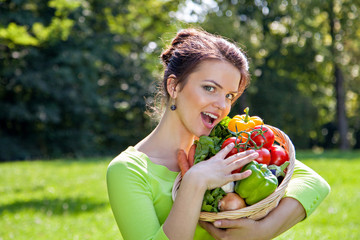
(191, 155)
(182, 162)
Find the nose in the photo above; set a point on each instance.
(221, 103)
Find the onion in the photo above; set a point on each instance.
(231, 201)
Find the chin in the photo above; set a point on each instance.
(201, 130)
(202, 133)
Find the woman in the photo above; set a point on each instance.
(204, 75)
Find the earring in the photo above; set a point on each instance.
(173, 106)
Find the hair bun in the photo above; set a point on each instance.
(180, 38)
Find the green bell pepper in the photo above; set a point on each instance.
(260, 184)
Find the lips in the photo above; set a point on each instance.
(209, 119)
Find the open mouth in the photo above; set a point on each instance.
(208, 119)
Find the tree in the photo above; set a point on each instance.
(74, 75)
(261, 28)
(297, 49)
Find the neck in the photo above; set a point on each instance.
(167, 138)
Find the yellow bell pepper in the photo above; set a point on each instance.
(244, 122)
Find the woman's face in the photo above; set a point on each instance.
(207, 96)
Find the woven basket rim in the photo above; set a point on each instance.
(263, 207)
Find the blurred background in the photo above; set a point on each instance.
(75, 76)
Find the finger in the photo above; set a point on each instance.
(236, 223)
(223, 152)
(247, 156)
(239, 176)
(214, 231)
(205, 225)
(242, 162)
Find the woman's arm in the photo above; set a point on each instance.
(308, 187)
(288, 213)
(131, 201)
(215, 172)
(184, 214)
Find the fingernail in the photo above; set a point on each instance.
(217, 223)
(231, 144)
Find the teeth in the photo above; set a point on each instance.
(211, 115)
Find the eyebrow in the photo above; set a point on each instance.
(218, 85)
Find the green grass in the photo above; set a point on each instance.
(62, 199)
(338, 216)
(67, 199)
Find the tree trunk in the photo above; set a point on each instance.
(342, 123)
(340, 108)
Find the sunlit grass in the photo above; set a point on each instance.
(67, 199)
(338, 216)
(60, 199)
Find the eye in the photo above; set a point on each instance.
(230, 96)
(209, 88)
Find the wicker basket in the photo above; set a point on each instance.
(263, 207)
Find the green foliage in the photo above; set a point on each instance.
(275, 67)
(73, 79)
(74, 74)
(292, 56)
(17, 35)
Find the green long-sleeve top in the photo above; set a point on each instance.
(140, 194)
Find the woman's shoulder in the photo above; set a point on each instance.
(129, 159)
(127, 169)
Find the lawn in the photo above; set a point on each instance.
(338, 216)
(67, 199)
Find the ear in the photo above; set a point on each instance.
(172, 86)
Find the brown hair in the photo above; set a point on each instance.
(192, 46)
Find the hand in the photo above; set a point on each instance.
(244, 228)
(288, 213)
(216, 171)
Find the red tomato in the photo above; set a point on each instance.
(231, 140)
(278, 155)
(264, 156)
(234, 150)
(236, 170)
(266, 139)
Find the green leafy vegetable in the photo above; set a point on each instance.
(221, 129)
(211, 200)
(206, 147)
